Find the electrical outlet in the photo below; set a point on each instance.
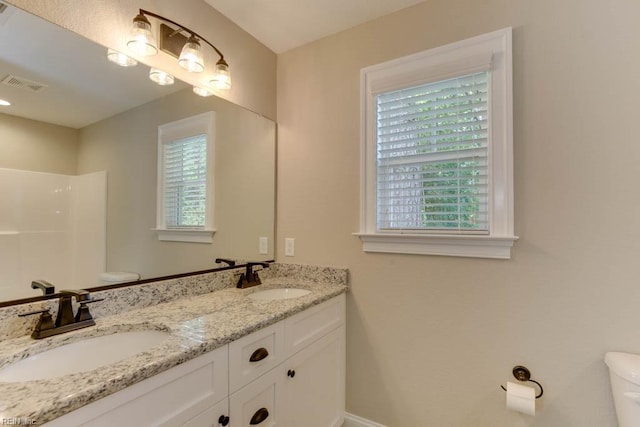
(263, 243)
(289, 246)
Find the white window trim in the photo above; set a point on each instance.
(196, 125)
(436, 64)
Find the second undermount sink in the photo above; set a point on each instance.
(277, 294)
(82, 356)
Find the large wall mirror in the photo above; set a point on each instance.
(79, 148)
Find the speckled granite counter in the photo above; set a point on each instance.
(198, 324)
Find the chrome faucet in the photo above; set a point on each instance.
(65, 320)
(250, 278)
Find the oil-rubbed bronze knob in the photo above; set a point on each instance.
(259, 355)
(291, 373)
(223, 420)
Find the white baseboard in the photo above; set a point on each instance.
(351, 420)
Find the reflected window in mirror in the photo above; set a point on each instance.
(185, 179)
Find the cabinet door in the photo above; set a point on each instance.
(216, 416)
(259, 403)
(168, 399)
(315, 381)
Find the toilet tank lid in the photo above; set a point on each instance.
(625, 365)
(119, 276)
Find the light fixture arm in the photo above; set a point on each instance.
(183, 28)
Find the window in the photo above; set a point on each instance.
(185, 179)
(437, 151)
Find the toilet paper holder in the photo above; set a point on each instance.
(523, 374)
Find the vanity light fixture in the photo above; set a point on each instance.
(4, 102)
(191, 56)
(120, 58)
(187, 50)
(141, 39)
(202, 91)
(161, 77)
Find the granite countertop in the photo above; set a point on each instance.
(197, 325)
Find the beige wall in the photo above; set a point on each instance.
(430, 339)
(31, 145)
(107, 22)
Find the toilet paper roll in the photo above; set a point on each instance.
(521, 398)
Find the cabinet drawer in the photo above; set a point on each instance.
(255, 354)
(309, 325)
(261, 403)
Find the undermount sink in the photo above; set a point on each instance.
(82, 356)
(280, 293)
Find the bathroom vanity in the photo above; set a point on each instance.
(228, 360)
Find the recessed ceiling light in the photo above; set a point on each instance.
(4, 102)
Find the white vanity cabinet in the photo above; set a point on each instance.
(307, 387)
(178, 396)
(289, 374)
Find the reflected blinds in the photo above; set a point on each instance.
(432, 156)
(185, 182)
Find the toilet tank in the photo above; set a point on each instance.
(113, 277)
(624, 371)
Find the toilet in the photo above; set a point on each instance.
(113, 277)
(624, 371)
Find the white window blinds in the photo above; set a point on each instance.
(185, 182)
(432, 156)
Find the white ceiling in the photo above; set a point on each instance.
(282, 25)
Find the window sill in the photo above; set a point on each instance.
(181, 235)
(446, 245)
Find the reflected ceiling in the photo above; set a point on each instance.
(73, 71)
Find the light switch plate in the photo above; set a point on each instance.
(289, 246)
(263, 243)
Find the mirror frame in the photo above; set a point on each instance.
(57, 295)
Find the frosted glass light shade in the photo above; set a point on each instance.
(120, 58)
(221, 78)
(191, 56)
(202, 91)
(141, 39)
(160, 77)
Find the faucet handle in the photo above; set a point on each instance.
(31, 313)
(45, 322)
(83, 312)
